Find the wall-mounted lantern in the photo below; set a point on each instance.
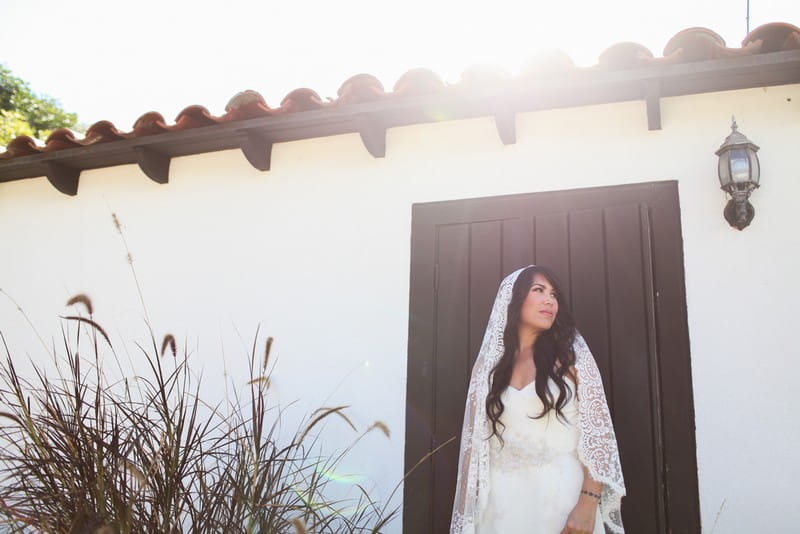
(739, 173)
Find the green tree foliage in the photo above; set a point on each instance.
(23, 112)
(13, 124)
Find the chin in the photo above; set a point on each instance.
(549, 325)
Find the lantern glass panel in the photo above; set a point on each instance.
(740, 165)
(723, 170)
(756, 174)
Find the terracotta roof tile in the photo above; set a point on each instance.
(624, 56)
(418, 82)
(21, 146)
(151, 123)
(248, 104)
(689, 45)
(194, 117)
(483, 76)
(701, 44)
(775, 37)
(103, 132)
(548, 63)
(59, 139)
(360, 88)
(301, 100)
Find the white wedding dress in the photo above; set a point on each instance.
(535, 474)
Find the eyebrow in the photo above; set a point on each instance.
(541, 285)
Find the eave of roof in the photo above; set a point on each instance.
(695, 61)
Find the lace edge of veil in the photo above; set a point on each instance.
(597, 447)
(473, 478)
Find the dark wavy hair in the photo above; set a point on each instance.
(552, 352)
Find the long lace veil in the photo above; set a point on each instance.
(597, 444)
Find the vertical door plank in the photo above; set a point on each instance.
(484, 278)
(452, 345)
(517, 244)
(655, 379)
(630, 367)
(677, 409)
(418, 499)
(552, 247)
(588, 277)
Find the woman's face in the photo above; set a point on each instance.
(540, 307)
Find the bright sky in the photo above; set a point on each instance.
(106, 59)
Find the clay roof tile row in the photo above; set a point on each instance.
(689, 45)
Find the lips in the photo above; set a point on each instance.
(547, 313)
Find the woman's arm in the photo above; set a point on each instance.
(582, 517)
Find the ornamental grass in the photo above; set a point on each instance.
(80, 453)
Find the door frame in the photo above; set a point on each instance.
(678, 464)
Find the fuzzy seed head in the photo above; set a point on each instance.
(117, 224)
(169, 341)
(266, 351)
(299, 526)
(383, 427)
(82, 299)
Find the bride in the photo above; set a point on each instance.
(538, 451)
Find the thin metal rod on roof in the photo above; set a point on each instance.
(747, 17)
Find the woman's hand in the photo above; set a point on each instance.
(581, 519)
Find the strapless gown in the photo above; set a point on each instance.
(535, 476)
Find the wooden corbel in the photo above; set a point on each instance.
(153, 163)
(373, 135)
(63, 178)
(652, 96)
(506, 123)
(256, 148)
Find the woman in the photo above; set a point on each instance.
(538, 451)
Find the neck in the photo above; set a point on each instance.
(527, 338)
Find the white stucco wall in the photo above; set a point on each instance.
(317, 251)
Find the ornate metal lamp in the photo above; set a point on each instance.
(739, 173)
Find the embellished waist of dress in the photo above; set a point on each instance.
(514, 455)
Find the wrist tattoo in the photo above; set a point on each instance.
(590, 494)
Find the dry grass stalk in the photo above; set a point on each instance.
(324, 413)
(90, 323)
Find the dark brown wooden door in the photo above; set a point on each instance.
(618, 252)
